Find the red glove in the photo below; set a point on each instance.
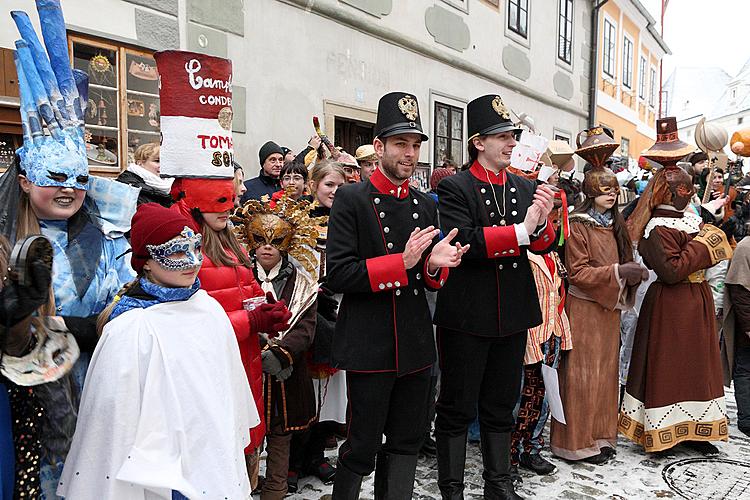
(270, 318)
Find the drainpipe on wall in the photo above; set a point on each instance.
(594, 60)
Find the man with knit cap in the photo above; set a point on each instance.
(271, 158)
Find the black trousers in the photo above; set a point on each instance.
(478, 373)
(742, 380)
(382, 403)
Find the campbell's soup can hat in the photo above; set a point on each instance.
(195, 91)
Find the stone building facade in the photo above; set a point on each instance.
(294, 59)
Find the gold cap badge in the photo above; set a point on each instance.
(408, 106)
(499, 107)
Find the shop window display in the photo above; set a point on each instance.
(123, 107)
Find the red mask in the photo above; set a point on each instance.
(207, 195)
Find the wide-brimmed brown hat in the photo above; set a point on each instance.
(597, 146)
(668, 146)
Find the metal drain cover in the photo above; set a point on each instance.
(708, 478)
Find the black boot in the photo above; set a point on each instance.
(498, 484)
(394, 476)
(451, 458)
(347, 484)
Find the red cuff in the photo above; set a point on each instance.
(544, 241)
(439, 280)
(501, 241)
(386, 272)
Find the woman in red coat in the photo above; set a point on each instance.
(227, 276)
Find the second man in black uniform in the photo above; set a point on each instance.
(483, 313)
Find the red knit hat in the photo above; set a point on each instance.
(438, 175)
(153, 224)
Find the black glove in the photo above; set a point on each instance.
(327, 304)
(19, 301)
(271, 364)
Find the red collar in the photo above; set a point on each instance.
(384, 186)
(487, 175)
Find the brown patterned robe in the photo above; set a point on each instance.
(588, 373)
(674, 391)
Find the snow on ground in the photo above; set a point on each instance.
(633, 474)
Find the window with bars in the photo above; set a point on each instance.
(627, 62)
(123, 107)
(518, 17)
(608, 56)
(565, 31)
(449, 134)
(652, 87)
(642, 78)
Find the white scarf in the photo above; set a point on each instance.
(266, 278)
(689, 222)
(151, 179)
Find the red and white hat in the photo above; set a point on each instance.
(196, 115)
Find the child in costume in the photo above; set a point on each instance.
(603, 280)
(204, 192)
(166, 409)
(544, 345)
(280, 236)
(84, 217)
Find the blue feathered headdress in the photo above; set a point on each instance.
(52, 95)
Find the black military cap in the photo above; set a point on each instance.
(398, 113)
(488, 115)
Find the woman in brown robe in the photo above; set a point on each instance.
(674, 392)
(603, 279)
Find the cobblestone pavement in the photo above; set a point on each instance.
(677, 473)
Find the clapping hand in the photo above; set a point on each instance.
(419, 241)
(544, 198)
(446, 253)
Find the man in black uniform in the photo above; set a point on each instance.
(483, 313)
(380, 234)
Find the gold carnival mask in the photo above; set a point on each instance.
(284, 224)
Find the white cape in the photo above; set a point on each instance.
(166, 406)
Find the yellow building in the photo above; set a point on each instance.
(629, 53)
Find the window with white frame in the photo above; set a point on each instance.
(642, 78)
(652, 87)
(627, 62)
(559, 135)
(449, 132)
(608, 56)
(518, 17)
(624, 146)
(565, 31)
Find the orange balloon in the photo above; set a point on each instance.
(741, 142)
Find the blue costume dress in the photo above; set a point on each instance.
(86, 276)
